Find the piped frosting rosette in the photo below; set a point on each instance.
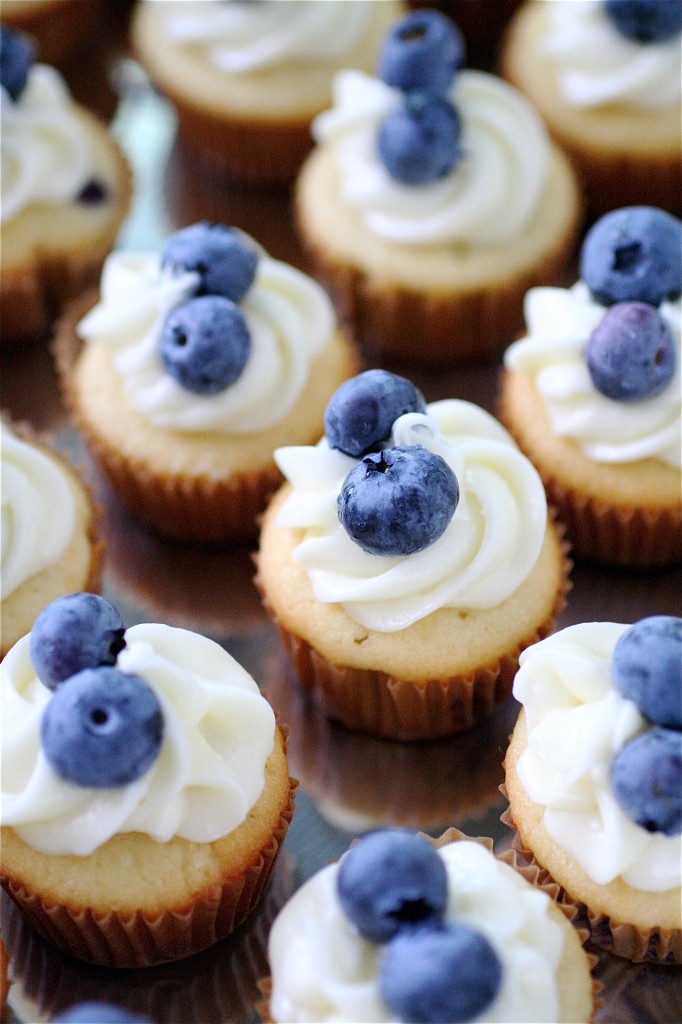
(486, 552)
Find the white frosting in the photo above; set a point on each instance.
(324, 970)
(485, 553)
(241, 38)
(38, 511)
(577, 722)
(218, 734)
(489, 195)
(289, 316)
(559, 324)
(45, 150)
(596, 65)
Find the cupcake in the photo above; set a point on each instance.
(198, 362)
(605, 75)
(402, 929)
(247, 79)
(408, 559)
(166, 779)
(433, 200)
(594, 778)
(592, 393)
(49, 544)
(65, 192)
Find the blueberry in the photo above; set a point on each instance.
(72, 633)
(389, 880)
(102, 728)
(422, 52)
(16, 57)
(93, 193)
(631, 352)
(442, 974)
(398, 501)
(646, 777)
(647, 668)
(95, 1012)
(227, 265)
(205, 344)
(418, 142)
(645, 21)
(361, 412)
(634, 253)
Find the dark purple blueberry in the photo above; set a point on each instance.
(647, 668)
(631, 352)
(633, 254)
(74, 632)
(205, 344)
(418, 142)
(102, 728)
(227, 265)
(422, 53)
(398, 501)
(390, 880)
(95, 1012)
(646, 777)
(93, 193)
(645, 21)
(360, 414)
(439, 975)
(16, 57)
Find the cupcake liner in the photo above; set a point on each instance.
(198, 508)
(641, 945)
(383, 705)
(141, 940)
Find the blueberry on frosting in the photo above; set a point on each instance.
(102, 728)
(419, 141)
(391, 879)
(647, 668)
(16, 57)
(646, 777)
(398, 501)
(645, 21)
(205, 344)
(440, 975)
(422, 52)
(72, 633)
(631, 352)
(361, 412)
(225, 263)
(97, 1012)
(633, 254)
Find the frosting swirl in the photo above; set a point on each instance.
(38, 511)
(490, 194)
(559, 323)
(324, 970)
(596, 65)
(45, 149)
(242, 38)
(289, 316)
(485, 553)
(219, 732)
(577, 722)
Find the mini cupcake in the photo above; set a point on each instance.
(166, 780)
(433, 201)
(605, 75)
(49, 544)
(65, 192)
(592, 393)
(197, 364)
(405, 930)
(594, 778)
(247, 79)
(407, 560)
